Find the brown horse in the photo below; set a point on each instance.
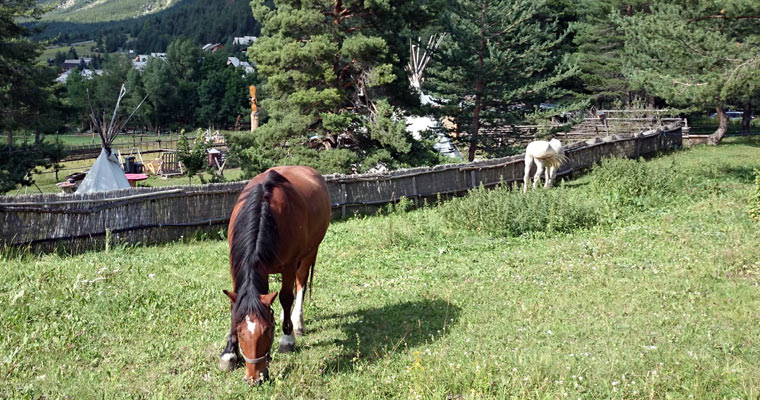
(276, 227)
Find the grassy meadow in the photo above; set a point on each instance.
(45, 178)
(83, 49)
(638, 280)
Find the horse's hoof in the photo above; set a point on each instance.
(228, 361)
(287, 348)
(298, 332)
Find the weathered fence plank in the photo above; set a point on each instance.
(79, 222)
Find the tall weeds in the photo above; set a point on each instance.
(617, 188)
(626, 185)
(502, 212)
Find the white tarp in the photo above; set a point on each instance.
(106, 174)
(443, 144)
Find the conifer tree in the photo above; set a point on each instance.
(499, 60)
(160, 84)
(26, 96)
(599, 42)
(334, 77)
(699, 55)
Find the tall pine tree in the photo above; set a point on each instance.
(599, 41)
(26, 96)
(698, 54)
(333, 71)
(498, 62)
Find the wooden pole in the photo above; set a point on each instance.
(254, 121)
(254, 108)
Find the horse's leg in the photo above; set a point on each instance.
(526, 178)
(287, 341)
(539, 171)
(551, 172)
(302, 279)
(229, 358)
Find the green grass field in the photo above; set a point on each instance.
(88, 139)
(45, 179)
(707, 125)
(655, 293)
(83, 50)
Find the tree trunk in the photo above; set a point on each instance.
(723, 122)
(478, 87)
(747, 118)
(10, 140)
(475, 121)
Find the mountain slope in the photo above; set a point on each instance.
(203, 21)
(85, 11)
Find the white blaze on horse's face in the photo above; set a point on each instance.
(251, 325)
(255, 339)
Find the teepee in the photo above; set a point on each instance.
(106, 174)
(416, 124)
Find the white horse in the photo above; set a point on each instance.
(549, 155)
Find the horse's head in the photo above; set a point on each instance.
(255, 337)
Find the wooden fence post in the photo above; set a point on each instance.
(345, 198)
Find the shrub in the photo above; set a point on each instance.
(192, 155)
(623, 183)
(503, 212)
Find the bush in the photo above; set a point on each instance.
(192, 155)
(632, 184)
(503, 212)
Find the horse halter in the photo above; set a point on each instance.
(266, 357)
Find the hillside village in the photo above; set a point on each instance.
(84, 64)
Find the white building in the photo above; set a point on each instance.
(86, 73)
(234, 61)
(244, 40)
(141, 60)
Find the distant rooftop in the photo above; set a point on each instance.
(234, 61)
(244, 40)
(86, 73)
(212, 47)
(140, 61)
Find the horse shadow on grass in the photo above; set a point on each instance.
(377, 333)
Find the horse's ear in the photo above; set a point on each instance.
(231, 295)
(267, 299)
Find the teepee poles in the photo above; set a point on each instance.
(418, 62)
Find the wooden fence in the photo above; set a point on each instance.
(90, 151)
(79, 222)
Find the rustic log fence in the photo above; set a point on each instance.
(90, 151)
(78, 222)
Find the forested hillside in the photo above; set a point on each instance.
(201, 21)
(103, 10)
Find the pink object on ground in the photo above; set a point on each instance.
(133, 178)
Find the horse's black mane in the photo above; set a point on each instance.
(254, 246)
